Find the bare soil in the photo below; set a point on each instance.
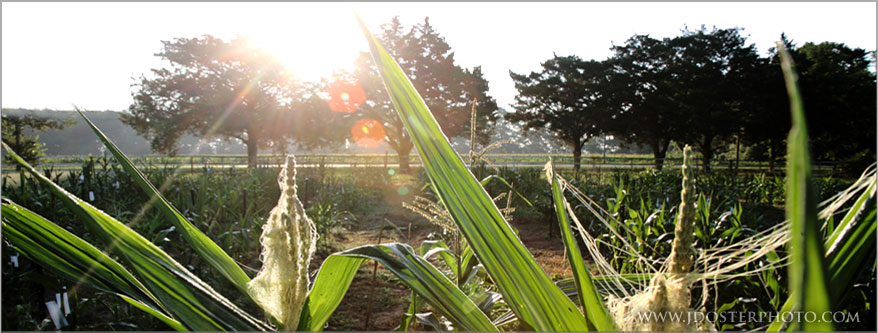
(389, 297)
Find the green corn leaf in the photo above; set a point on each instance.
(433, 247)
(203, 245)
(488, 179)
(184, 295)
(332, 282)
(423, 278)
(851, 246)
(58, 250)
(848, 249)
(525, 287)
(415, 305)
(592, 303)
(173, 323)
(807, 271)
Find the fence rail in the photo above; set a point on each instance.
(597, 163)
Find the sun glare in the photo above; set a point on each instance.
(318, 42)
(345, 96)
(368, 133)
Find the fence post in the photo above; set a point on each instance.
(191, 163)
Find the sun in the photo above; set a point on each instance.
(317, 42)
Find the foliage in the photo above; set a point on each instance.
(713, 74)
(838, 87)
(14, 127)
(567, 98)
(230, 207)
(807, 270)
(642, 88)
(233, 89)
(709, 89)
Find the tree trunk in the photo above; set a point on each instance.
(737, 153)
(659, 151)
(252, 151)
(17, 134)
(771, 157)
(706, 153)
(405, 147)
(577, 155)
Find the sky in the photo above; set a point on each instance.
(57, 55)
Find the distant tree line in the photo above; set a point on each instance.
(15, 127)
(705, 88)
(235, 90)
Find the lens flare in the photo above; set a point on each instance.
(368, 133)
(345, 96)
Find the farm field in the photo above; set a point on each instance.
(355, 206)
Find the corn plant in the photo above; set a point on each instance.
(148, 278)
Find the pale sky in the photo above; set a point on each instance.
(56, 55)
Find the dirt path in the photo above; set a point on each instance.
(389, 297)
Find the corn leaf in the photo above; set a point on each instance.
(59, 250)
(526, 288)
(203, 245)
(337, 272)
(807, 270)
(848, 250)
(850, 247)
(592, 303)
(488, 179)
(332, 282)
(433, 247)
(415, 305)
(173, 323)
(184, 295)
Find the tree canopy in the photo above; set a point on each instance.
(642, 91)
(713, 75)
(838, 89)
(707, 88)
(566, 97)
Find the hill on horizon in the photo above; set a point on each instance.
(80, 140)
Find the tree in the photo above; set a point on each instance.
(642, 92)
(767, 122)
(713, 71)
(838, 89)
(448, 90)
(28, 147)
(216, 88)
(567, 98)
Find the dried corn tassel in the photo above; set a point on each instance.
(288, 242)
(682, 253)
(664, 305)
